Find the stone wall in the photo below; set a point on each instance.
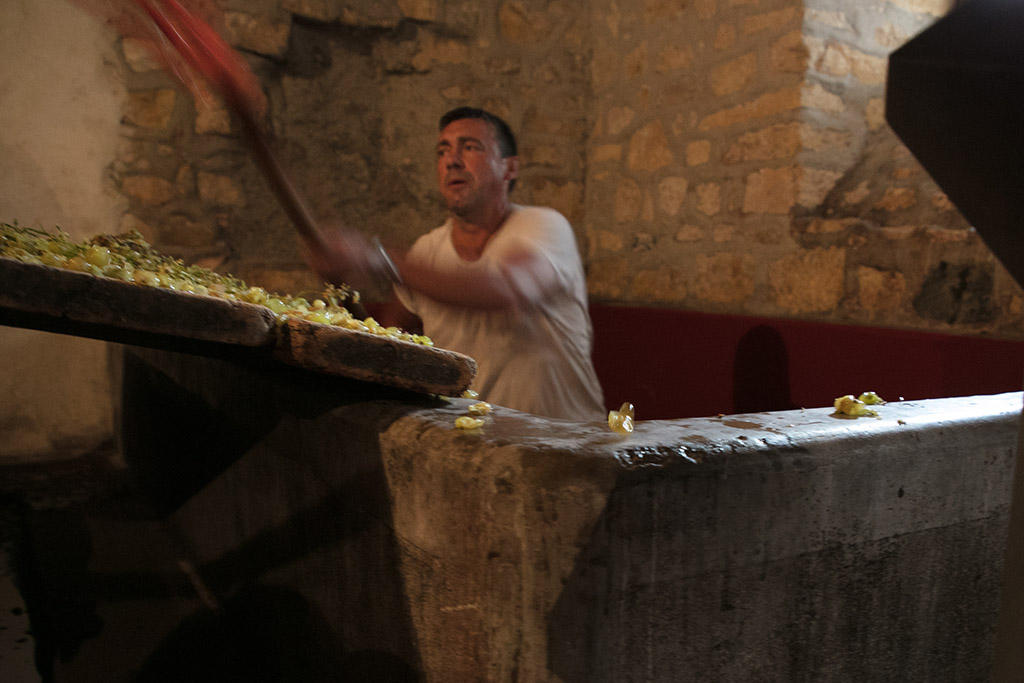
(741, 163)
(715, 155)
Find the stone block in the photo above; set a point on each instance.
(603, 153)
(649, 149)
(628, 201)
(874, 113)
(698, 152)
(617, 118)
(150, 108)
(935, 8)
(179, 231)
(522, 25)
(420, 10)
(689, 233)
(790, 54)
(185, 181)
(671, 194)
(868, 69)
(565, 196)
(724, 277)
(820, 226)
(709, 198)
(647, 214)
(770, 190)
(607, 278)
(775, 20)
(857, 194)
(606, 240)
(635, 62)
(766, 105)
(138, 56)
(809, 281)
(838, 59)
(725, 37)
(434, 50)
(828, 57)
(372, 13)
(658, 12)
(257, 33)
(941, 202)
(889, 36)
(148, 190)
(538, 122)
(734, 75)
(545, 155)
(832, 19)
(817, 97)
(780, 141)
(897, 198)
(663, 285)
(819, 139)
(674, 58)
(940, 235)
(814, 185)
(723, 233)
(879, 291)
(212, 117)
(317, 10)
(220, 190)
(456, 93)
(705, 8)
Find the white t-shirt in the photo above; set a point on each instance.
(538, 361)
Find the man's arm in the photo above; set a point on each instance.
(520, 279)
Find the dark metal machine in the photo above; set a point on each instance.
(955, 96)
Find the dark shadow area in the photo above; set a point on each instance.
(305, 586)
(761, 372)
(265, 633)
(51, 568)
(175, 441)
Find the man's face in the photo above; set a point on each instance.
(470, 169)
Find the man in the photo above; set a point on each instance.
(499, 282)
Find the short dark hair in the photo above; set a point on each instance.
(502, 131)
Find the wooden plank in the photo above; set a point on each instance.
(71, 302)
(374, 358)
(65, 298)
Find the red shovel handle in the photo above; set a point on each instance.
(205, 51)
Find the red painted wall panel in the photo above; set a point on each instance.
(673, 363)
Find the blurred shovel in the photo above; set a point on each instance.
(202, 49)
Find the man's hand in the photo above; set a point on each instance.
(345, 257)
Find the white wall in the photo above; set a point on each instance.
(60, 109)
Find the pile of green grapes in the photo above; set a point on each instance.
(128, 257)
